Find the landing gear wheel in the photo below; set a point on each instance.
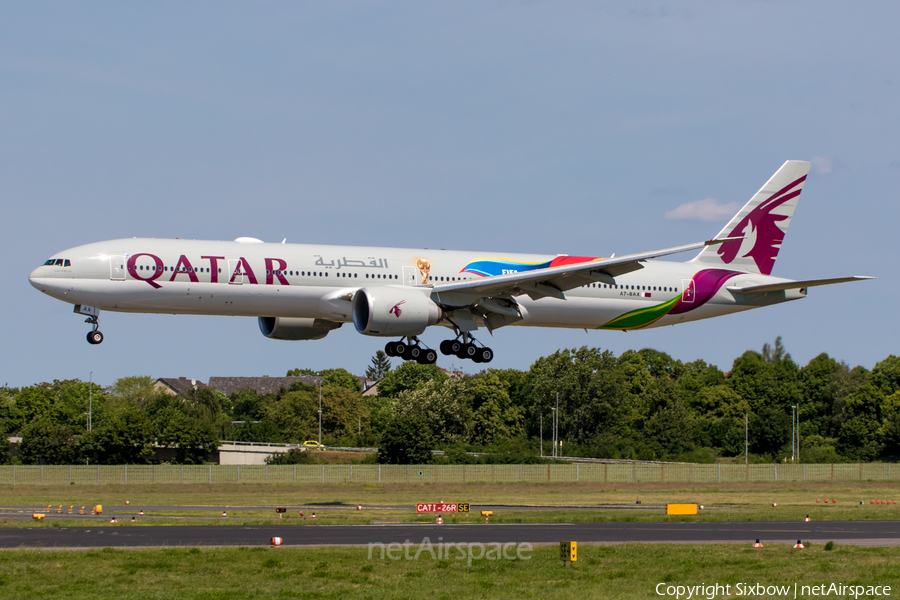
(400, 349)
(94, 337)
(413, 353)
(484, 355)
(389, 349)
(427, 357)
(445, 348)
(467, 351)
(454, 346)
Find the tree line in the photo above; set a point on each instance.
(641, 405)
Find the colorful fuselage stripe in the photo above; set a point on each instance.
(487, 267)
(704, 285)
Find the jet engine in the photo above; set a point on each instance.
(293, 328)
(393, 311)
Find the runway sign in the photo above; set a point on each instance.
(442, 507)
(681, 509)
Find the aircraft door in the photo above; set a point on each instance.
(687, 291)
(235, 271)
(117, 268)
(409, 276)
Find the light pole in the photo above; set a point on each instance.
(556, 427)
(798, 433)
(542, 436)
(553, 430)
(746, 438)
(793, 420)
(320, 414)
(90, 401)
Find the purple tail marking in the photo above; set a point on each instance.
(704, 286)
(768, 234)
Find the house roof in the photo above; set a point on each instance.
(264, 385)
(180, 385)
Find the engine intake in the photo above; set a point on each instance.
(294, 328)
(392, 311)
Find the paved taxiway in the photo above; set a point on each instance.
(880, 533)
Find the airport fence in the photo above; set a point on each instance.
(553, 473)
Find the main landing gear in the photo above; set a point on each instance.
(464, 347)
(411, 349)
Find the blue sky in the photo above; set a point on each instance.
(550, 127)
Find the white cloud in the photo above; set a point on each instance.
(821, 164)
(707, 209)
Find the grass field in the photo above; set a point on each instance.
(725, 502)
(623, 571)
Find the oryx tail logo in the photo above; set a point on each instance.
(395, 310)
(762, 235)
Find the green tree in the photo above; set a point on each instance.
(775, 354)
(302, 373)
(494, 418)
(294, 414)
(445, 405)
(5, 450)
(343, 412)
(380, 366)
(294, 456)
(340, 378)
(886, 375)
(405, 441)
(247, 405)
(137, 390)
(193, 438)
(122, 436)
(45, 441)
(11, 419)
(408, 376)
(592, 395)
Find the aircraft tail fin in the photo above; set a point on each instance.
(761, 224)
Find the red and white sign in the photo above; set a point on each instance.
(442, 508)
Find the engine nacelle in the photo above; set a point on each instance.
(294, 328)
(393, 311)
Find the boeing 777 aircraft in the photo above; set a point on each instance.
(301, 292)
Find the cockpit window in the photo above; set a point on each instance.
(67, 263)
(49, 262)
(58, 262)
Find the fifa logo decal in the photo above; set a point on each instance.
(395, 310)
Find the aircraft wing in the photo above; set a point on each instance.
(555, 281)
(792, 285)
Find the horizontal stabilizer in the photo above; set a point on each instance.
(792, 285)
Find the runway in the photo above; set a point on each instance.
(871, 533)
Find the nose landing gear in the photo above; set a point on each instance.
(94, 336)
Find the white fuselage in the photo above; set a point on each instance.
(307, 281)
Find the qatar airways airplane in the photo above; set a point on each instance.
(301, 292)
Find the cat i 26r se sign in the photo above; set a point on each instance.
(441, 507)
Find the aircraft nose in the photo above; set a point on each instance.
(35, 278)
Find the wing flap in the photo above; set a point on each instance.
(554, 281)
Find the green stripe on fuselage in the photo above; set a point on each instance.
(642, 316)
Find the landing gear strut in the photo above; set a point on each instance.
(94, 336)
(464, 346)
(411, 349)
